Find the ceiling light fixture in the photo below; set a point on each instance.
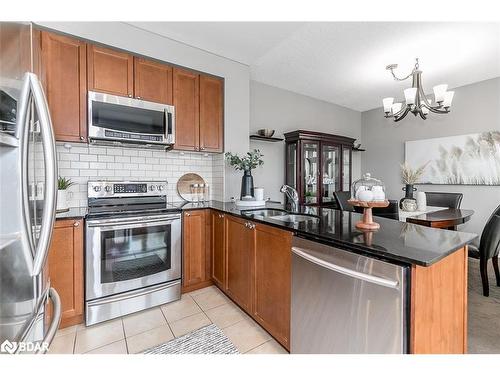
(415, 100)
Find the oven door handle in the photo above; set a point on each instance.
(147, 219)
(131, 225)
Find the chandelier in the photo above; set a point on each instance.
(415, 100)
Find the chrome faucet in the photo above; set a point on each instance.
(292, 195)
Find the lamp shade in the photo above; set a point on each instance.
(410, 95)
(448, 97)
(396, 107)
(439, 92)
(387, 104)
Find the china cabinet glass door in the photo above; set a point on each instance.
(310, 158)
(330, 171)
(346, 168)
(291, 166)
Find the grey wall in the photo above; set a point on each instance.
(476, 108)
(236, 75)
(282, 110)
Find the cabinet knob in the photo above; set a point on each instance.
(82, 138)
(76, 224)
(138, 97)
(202, 148)
(221, 216)
(129, 95)
(188, 214)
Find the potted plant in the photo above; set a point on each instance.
(410, 177)
(246, 163)
(63, 184)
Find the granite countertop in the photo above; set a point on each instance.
(72, 213)
(395, 240)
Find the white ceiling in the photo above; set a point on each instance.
(344, 62)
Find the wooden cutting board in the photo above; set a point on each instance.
(184, 186)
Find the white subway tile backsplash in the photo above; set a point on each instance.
(106, 158)
(82, 162)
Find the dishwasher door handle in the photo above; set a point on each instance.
(345, 271)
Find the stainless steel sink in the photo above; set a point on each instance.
(265, 212)
(295, 218)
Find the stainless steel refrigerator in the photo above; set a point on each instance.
(28, 183)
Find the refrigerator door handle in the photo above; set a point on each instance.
(345, 271)
(33, 87)
(56, 319)
(22, 133)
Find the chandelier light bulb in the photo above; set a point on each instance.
(387, 104)
(425, 110)
(439, 92)
(396, 107)
(410, 95)
(448, 97)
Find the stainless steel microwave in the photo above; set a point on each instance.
(127, 120)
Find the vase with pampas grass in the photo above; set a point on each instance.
(410, 177)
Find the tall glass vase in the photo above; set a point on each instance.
(247, 185)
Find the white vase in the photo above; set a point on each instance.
(421, 201)
(62, 200)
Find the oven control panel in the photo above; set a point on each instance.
(104, 189)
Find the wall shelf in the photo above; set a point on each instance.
(265, 139)
(358, 149)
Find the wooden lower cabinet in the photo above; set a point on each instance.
(217, 247)
(272, 281)
(196, 252)
(438, 300)
(240, 245)
(66, 269)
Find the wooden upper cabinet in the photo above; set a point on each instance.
(217, 248)
(272, 284)
(110, 71)
(195, 248)
(186, 103)
(64, 70)
(152, 81)
(66, 269)
(211, 114)
(240, 243)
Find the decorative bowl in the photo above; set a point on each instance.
(265, 132)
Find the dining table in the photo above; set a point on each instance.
(437, 217)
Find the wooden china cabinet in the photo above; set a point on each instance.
(317, 164)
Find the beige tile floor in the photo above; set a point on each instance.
(138, 332)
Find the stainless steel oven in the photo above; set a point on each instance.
(133, 250)
(128, 120)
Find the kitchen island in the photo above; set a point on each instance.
(436, 285)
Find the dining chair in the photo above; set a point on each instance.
(440, 199)
(390, 212)
(489, 246)
(342, 198)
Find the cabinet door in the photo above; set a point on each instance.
(217, 246)
(211, 114)
(110, 71)
(152, 81)
(330, 172)
(64, 72)
(310, 172)
(240, 242)
(66, 269)
(271, 307)
(346, 168)
(194, 248)
(186, 102)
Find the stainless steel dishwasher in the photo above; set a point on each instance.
(346, 303)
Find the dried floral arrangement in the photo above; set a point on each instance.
(411, 176)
